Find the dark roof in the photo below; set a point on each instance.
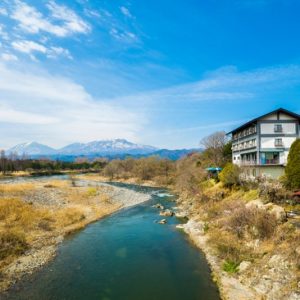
(279, 110)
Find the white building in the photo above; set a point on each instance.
(262, 145)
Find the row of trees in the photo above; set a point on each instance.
(12, 163)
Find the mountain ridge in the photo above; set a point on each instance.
(114, 148)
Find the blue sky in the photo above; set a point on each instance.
(164, 73)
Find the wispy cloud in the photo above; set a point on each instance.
(41, 28)
(119, 24)
(33, 21)
(10, 115)
(73, 114)
(30, 47)
(230, 84)
(126, 12)
(72, 23)
(216, 126)
(3, 11)
(3, 33)
(125, 36)
(9, 57)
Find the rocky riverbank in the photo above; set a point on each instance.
(54, 209)
(268, 276)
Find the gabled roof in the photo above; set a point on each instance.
(279, 110)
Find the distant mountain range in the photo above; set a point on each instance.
(117, 148)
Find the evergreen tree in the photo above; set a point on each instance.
(292, 169)
(230, 175)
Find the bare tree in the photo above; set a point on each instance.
(216, 140)
(214, 145)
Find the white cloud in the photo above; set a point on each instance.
(126, 12)
(92, 13)
(33, 21)
(72, 114)
(230, 84)
(3, 33)
(124, 36)
(54, 52)
(10, 115)
(64, 111)
(28, 47)
(72, 22)
(3, 11)
(9, 57)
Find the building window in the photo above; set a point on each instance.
(278, 142)
(278, 128)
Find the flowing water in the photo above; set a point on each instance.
(126, 256)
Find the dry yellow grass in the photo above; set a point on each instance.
(15, 189)
(26, 223)
(57, 184)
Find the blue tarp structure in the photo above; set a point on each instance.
(213, 170)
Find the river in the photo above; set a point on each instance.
(125, 256)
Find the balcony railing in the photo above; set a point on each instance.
(244, 147)
(269, 162)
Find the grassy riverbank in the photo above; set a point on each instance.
(36, 215)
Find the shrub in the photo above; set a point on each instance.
(45, 225)
(230, 175)
(227, 246)
(292, 169)
(273, 191)
(265, 223)
(230, 267)
(257, 222)
(92, 192)
(251, 195)
(12, 243)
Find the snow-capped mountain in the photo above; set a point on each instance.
(106, 147)
(32, 148)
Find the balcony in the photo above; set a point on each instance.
(244, 133)
(270, 158)
(270, 162)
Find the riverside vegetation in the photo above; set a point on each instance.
(243, 225)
